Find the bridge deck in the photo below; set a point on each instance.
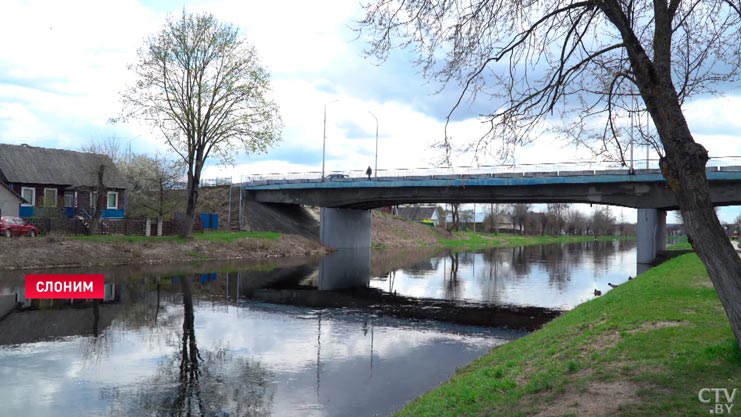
(642, 189)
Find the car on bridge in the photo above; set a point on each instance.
(333, 177)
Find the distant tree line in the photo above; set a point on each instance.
(557, 219)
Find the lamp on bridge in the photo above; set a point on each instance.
(375, 168)
(324, 135)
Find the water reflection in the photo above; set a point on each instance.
(174, 346)
(345, 268)
(194, 382)
(552, 276)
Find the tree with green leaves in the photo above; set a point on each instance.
(201, 85)
(581, 69)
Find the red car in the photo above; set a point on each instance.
(15, 226)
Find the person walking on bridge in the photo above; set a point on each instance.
(368, 172)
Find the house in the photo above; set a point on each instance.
(61, 180)
(422, 214)
(10, 201)
(480, 221)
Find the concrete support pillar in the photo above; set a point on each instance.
(651, 234)
(345, 228)
(661, 231)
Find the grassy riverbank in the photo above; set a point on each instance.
(643, 349)
(208, 236)
(489, 240)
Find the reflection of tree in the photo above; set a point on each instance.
(520, 262)
(558, 264)
(198, 383)
(188, 389)
(495, 276)
(452, 284)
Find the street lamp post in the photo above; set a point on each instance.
(375, 170)
(324, 135)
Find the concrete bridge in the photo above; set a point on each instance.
(346, 200)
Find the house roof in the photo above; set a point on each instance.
(33, 165)
(416, 214)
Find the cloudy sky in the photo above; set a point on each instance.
(62, 65)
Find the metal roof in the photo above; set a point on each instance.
(26, 164)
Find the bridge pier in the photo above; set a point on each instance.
(651, 234)
(345, 228)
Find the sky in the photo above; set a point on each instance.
(63, 64)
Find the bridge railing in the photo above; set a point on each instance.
(650, 166)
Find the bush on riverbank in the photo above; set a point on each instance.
(645, 348)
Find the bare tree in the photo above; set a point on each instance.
(576, 221)
(584, 66)
(109, 146)
(495, 212)
(519, 215)
(556, 212)
(454, 217)
(201, 85)
(602, 221)
(153, 181)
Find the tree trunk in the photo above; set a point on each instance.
(190, 212)
(708, 237)
(684, 168)
(100, 202)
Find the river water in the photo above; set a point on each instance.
(194, 340)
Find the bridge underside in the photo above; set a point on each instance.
(654, 195)
(346, 222)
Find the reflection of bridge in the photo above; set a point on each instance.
(345, 202)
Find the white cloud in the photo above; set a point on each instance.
(62, 75)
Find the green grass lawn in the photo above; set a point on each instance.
(211, 236)
(490, 240)
(643, 349)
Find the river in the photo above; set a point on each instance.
(200, 340)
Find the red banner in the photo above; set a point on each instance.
(79, 286)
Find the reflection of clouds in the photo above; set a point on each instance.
(279, 340)
(548, 276)
(57, 378)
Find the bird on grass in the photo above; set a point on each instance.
(597, 292)
(612, 285)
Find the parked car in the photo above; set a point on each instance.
(332, 177)
(15, 226)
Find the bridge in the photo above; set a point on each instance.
(346, 199)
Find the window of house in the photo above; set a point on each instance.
(112, 200)
(29, 194)
(69, 199)
(50, 197)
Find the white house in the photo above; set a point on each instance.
(10, 201)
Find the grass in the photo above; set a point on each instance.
(661, 337)
(681, 244)
(211, 236)
(489, 240)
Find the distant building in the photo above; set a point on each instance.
(422, 214)
(50, 179)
